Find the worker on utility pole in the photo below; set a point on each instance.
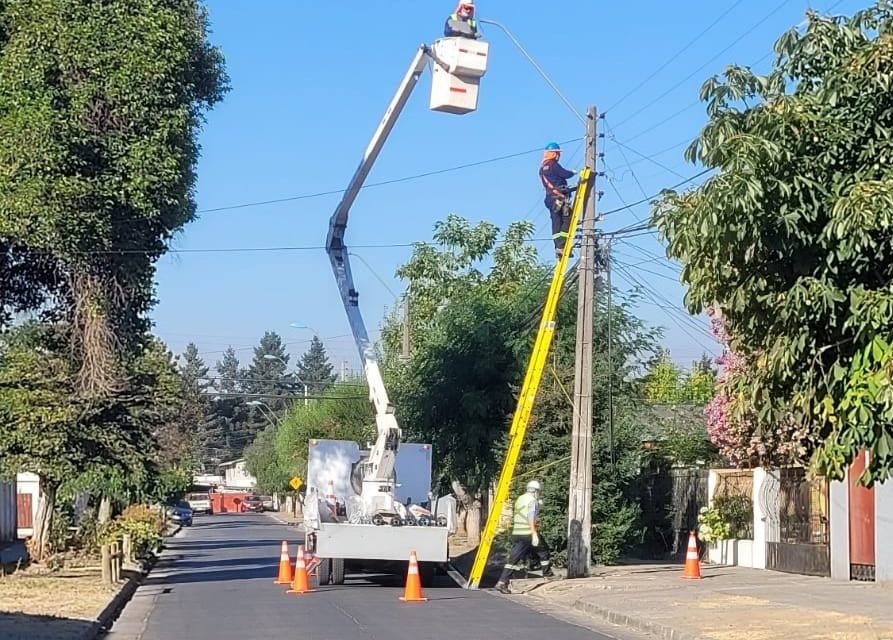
(526, 540)
(462, 23)
(554, 178)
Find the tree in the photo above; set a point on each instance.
(228, 370)
(791, 242)
(122, 85)
(455, 391)
(195, 415)
(265, 381)
(280, 451)
(314, 369)
(49, 429)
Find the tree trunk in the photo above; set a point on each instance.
(43, 524)
(105, 510)
(470, 519)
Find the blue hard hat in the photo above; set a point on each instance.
(553, 146)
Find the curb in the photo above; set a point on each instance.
(638, 623)
(113, 609)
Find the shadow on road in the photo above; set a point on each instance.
(221, 575)
(200, 545)
(22, 626)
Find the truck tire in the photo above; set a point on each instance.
(324, 571)
(337, 570)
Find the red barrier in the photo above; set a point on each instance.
(228, 502)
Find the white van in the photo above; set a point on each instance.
(200, 503)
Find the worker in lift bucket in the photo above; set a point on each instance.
(554, 178)
(526, 540)
(462, 23)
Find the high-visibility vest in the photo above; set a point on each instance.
(471, 23)
(521, 520)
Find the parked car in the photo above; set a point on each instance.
(180, 513)
(268, 503)
(252, 503)
(200, 503)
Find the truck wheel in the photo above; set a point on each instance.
(324, 571)
(337, 570)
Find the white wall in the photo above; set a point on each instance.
(839, 524)
(28, 483)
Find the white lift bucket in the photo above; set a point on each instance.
(454, 89)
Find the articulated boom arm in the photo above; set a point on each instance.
(383, 455)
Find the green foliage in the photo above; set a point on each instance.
(314, 369)
(792, 241)
(280, 451)
(456, 391)
(472, 335)
(712, 527)
(685, 441)
(737, 512)
(666, 383)
(41, 415)
(144, 524)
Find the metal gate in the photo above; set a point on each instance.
(803, 540)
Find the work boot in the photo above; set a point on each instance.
(548, 573)
(502, 587)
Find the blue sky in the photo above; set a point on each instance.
(310, 84)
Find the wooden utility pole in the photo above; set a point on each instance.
(579, 513)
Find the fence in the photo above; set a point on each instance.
(670, 502)
(800, 518)
(732, 494)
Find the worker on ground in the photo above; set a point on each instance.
(554, 178)
(462, 23)
(526, 540)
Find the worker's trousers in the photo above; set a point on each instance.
(522, 549)
(561, 220)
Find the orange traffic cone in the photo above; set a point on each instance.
(413, 590)
(301, 583)
(286, 575)
(692, 569)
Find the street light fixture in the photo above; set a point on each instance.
(270, 356)
(299, 325)
(271, 417)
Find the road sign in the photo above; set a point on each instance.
(296, 483)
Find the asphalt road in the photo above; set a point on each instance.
(215, 582)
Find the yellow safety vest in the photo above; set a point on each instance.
(521, 520)
(471, 23)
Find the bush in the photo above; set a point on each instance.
(144, 524)
(711, 526)
(737, 513)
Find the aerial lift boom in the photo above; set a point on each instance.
(452, 71)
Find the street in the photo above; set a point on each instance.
(216, 582)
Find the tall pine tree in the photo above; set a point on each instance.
(314, 369)
(196, 417)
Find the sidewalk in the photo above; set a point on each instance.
(729, 603)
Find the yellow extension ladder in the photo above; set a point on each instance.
(531, 385)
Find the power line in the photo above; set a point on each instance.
(678, 84)
(644, 157)
(653, 196)
(675, 56)
(678, 113)
(369, 185)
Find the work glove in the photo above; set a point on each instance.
(535, 540)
